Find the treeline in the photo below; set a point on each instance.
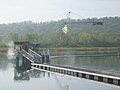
(59, 39)
(49, 34)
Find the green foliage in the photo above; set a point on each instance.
(49, 34)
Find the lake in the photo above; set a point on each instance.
(12, 78)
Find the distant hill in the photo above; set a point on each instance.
(110, 27)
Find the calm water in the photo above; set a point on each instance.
(12, 78)
(109, 64)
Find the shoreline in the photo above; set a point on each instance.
(3, 50)
(102, 49)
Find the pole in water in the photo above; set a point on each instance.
(48, 52)
(43, 52)
(47, 56)
(47, 59)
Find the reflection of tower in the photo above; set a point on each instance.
(23, 70)
(21, 75)
(22, 65)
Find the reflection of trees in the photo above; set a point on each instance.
(4, 62)
(98, 61)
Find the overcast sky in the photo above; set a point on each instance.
(46, 10)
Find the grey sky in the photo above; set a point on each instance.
(46, 10)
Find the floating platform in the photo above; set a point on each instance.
(80, 73)
(36, 62)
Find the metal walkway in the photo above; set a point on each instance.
(32, 56)
(35, 60)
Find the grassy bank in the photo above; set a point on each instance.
(3, 49)
(75, 49)
(105, 49)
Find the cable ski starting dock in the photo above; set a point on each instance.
(37, 61)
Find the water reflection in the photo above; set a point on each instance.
(4, 62)
(19, 78)
(109, 64)
(26, 75)
(24, 72)
(20, 75)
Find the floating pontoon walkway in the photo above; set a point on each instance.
(76, 72)
(81, 73)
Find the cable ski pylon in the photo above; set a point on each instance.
(68, 21)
